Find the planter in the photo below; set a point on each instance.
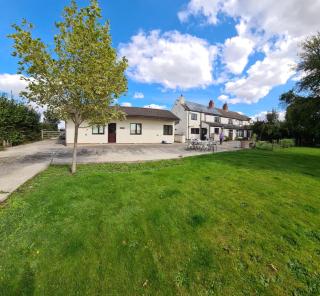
(245, 144)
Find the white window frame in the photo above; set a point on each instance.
(194, 116)
(135, 131)
(98, 130)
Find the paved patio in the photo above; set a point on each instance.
(20, 163)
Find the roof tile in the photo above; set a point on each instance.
(148, 112)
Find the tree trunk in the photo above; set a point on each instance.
(75, 144)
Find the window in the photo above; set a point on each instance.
(168, 130)
(240, 122)
(194, 116)
(98, 130)
(230, 121)
(217, 119)
(135, 128)
(240, 133)
(216, 130)
(195, 131)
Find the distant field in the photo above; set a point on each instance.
(236, 223)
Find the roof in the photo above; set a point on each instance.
(235, 115)
(191, 106)
(148, 112)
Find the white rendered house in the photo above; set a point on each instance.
(207, 122)
(142, 125)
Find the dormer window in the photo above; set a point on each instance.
(217, 119)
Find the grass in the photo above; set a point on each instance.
(238, 223)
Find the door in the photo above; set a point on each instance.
(203, 134)
(231, 134)
(112, 134)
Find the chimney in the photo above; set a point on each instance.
(211, 104)
(225, 107)
(181, 99)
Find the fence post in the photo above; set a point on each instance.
(42, 134)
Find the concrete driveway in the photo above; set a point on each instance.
(20, 163)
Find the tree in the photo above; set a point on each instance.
(302, 117)
(18, 122)
(303, 102)
(310, 65)
(50, 120)
(82, 78)
(270, 128)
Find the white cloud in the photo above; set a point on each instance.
(126, 104)
(288, 17)
(272, 27)
(227, 99)
(208, 8)
(292, 17)
(171, 59)
(236, 52)
(275, 69)
(138, 95)
(12, 83)
(299, 76)
(282, 115)
(223, 98)
(155, 106)
(261, 116)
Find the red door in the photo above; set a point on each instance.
(112, 135)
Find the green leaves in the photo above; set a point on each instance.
(310, 65)
(81, 76)
(18, 123)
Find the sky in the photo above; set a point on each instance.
(242, 52)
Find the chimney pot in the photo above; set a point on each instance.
(211, 104)
(225, 107)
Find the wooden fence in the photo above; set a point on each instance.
(46, 134)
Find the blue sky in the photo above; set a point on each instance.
(240, 52)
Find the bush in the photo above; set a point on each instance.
(16, 138)
(18, 123)
(286, 143)
(264, 145)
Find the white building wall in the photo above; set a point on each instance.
(224, 120)
(194, 123)
(182, 126)
(209, 118)
(185, 125)
(152, 132)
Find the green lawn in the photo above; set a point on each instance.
(238, 223)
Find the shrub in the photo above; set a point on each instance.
(264, 145)
(285, 143)
(18, 123)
